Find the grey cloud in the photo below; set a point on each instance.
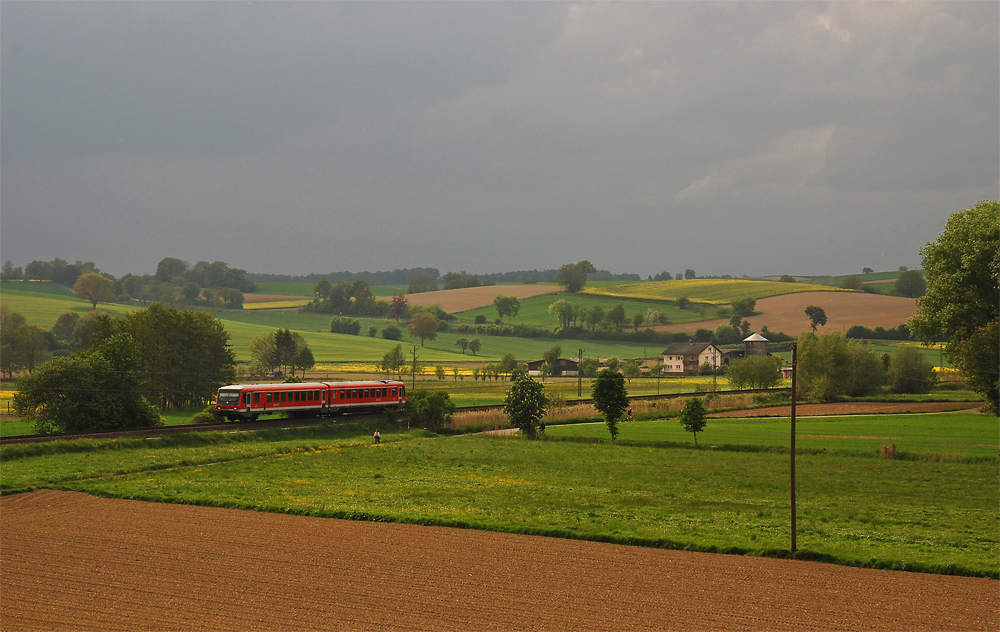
(493, 136)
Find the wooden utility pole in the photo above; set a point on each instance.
(795, 372)
(579, 374)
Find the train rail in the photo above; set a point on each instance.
(264, 424)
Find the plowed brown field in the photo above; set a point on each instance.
(74, 562)
(786, 313)
(453, 301)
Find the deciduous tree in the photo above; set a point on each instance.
(551, 357)
(563, 310)
(910, 372)
(693, 417)
(610, 398)
(96, 390)
(754, 372)
(424, 326)
(397, 306)
(430, 409)
(572, 277)
(185, 355)
(94, 288)
(910, 284)
(475, 345)
(422, 283)
(507, 306)
(817, 316)
(962, 303)
(616, 315)
(524, 404)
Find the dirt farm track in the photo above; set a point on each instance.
(75, 562)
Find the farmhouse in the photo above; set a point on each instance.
(564, 366)
(686, 357)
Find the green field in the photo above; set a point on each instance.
(42, 303)
(914, 435)
(535, 311)
(924, 512)
(713, 291)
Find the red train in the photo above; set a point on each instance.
(248, 401)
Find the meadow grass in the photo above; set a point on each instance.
(42, 303)
(714, 291)
(939, 436)
(915, 514)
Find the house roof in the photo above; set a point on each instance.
(686, 348)
(755, 338)
(562, 362)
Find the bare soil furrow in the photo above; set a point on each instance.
(74, 562)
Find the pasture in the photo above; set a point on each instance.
(713, 291)
(933, 511)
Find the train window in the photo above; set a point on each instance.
(366, 394)
(394, 392)
(284, 395)
(268, 398)
(256, 398)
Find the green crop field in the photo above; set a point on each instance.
(923, 512)
(41, 303)
(535, 311)
(714, 291)
(947, 436)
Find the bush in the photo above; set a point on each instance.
(754, 372)
(392, 332)
(431, 410)
(831, 366)
(340, 325)
(909, 372)
(207, 416)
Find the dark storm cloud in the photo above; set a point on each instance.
(300, 137)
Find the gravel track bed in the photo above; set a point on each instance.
(75, 562)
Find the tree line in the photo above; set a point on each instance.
(210, 284)
(169, 358)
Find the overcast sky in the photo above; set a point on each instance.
(285, 137)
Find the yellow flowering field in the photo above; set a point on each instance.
(713, 291)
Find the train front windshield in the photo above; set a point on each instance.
(229, 396)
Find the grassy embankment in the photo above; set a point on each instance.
(934, 510)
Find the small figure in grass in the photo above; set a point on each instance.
(378, 436)
(630, 414)
(541, 428)
(693, 417)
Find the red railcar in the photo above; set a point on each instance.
(249, 401)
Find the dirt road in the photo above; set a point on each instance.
(75, 562)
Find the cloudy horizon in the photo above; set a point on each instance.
(753, 138)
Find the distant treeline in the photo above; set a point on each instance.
(403, 276)
(396, 277)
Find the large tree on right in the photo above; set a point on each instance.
(962, 303)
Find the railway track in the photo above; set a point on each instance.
(264, 424)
